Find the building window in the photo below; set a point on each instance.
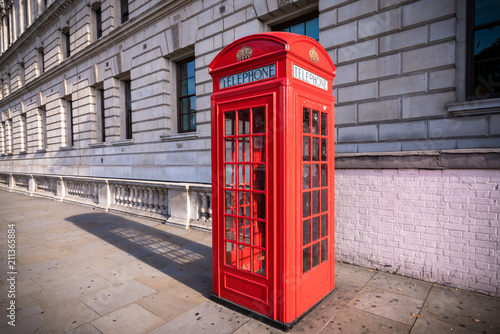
(66, 44)
(7, 24)
(124, 10)
(8, 136)
(24, 133)
(68, 109)
(101, 116)
(22, 75)
(42, 128)
(187, 96)
(127, 95)
(98, 22)
(26, 14)
(41, 61)
(307, 25)
(483, 80)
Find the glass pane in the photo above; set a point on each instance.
(184, 88)
(244, 177)
(306, 115)
(244, 231)
(306, 176)
(190, 69)
(192, 121)
(230, 150)
(231, 202)
(324, 250)
(259, 120)
(185, 122)
(306, 259)
(191, 86)
(324, 124)
(259, 178)
(315, 202)
(324, 229)
(244, 204)
(315, 256)
(192, 104)
(259, 262)
(315, 122)
(244, 149)
(245, 253)
(230, 228)
(315, 228)
(324, 200)
(231, 254)
(324, 175)
(486, 11)
(259, 149)
(230, 123)
(315, 176)
(306, 232)
(323, 149)
(259, 205)
(312, 28)
(183, 70)
(306, 204)
(298, 29)
(259, 234)
(306, 149)
(486, 43)
(230, 176)
(315, 147)
(244, 122)
(486, 78)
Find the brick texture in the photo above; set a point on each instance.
(438, 226)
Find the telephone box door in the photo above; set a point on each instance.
(245, 253)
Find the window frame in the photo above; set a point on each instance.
(188, 96)
(300, 19)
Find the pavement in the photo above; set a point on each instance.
(82, 270)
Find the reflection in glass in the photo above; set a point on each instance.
(324, 124)
(324, 250)
(324, 229)
(486, 79)
(306, 120)
(259, 149)
(315, 257)
(323, 149)
(315, 176)
(315, 122)
(230, 150)
(230, 228)
(306, 232)
(306, 176)
(324, 175)
(315, 228)
(243, 122)
(244, 257)
(486, 11)
(244, 231)
(259, 205)
(231, 254)
(260, 262)
(306, 148)
(259, 120)
(259, 178)
(229, 123)
(230, 176)
(243, 149)
(312, 28)
(315, 202)
(231, 202)
(306, 259)
(244, 204)
(259, 234)
(244, 177)
(324, 200)
(315, 147)
(306, 204)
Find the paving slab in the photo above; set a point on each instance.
(109, 299)
(85, 329)
(168, 306)
(463, 309)
(401, 285)
(131, 319)
(387, 305)
(431, 325)
(207, 318)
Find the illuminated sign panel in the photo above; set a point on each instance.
(257, 74)
(309, 77)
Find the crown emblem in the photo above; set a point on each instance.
(244, 53)
(313, 55)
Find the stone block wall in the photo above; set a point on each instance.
(440, 226)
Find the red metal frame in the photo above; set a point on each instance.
(265, 258)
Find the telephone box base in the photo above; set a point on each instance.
(262, 318)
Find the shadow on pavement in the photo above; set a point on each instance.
(176, 256)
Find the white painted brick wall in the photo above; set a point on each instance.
(438, 226)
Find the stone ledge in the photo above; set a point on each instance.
(474, 107)
(446, 159)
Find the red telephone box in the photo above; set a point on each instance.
(273, 175)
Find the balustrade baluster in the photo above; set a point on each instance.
(203, 206)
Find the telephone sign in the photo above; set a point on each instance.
(273, 175)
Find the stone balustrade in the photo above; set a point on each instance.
(185, 204)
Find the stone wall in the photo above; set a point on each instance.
(440, 226)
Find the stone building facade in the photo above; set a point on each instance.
(107, 103)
